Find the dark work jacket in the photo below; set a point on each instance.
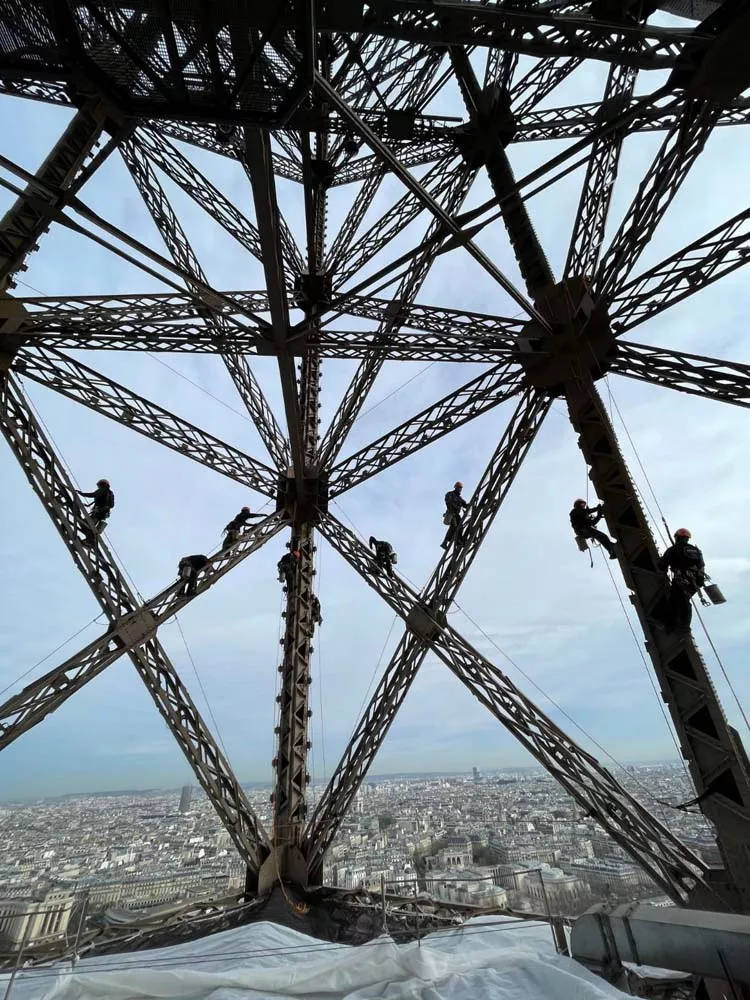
(583, 518)
(102, 496)
(682, 557)
(454, 502)
(237, 522)
(383, 550)
(197, 562)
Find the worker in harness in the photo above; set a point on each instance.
(286, 567)
(188, 569)
(102, 503)
(385, 557)
(685, 562)
(232, 530)
(583, 520)
(454, 507)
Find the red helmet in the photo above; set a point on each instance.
(458, 486)
(579, 503)
(296, 553)
(682, 533)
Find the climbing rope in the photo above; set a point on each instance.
(202, 688)
(57, 649)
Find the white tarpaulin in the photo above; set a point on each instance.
(489, 958)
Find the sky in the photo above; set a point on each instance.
(531, 602)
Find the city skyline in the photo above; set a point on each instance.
(530, 594)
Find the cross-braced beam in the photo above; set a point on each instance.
(677, 155)
(673, 867)
(478, 396)
(84, 385)
(440, 590)
(711, 378)
(683, 274)
(715, 757)
(179, 247)
(26, 222)
(452, 195)
(132, 630)
(599, 182)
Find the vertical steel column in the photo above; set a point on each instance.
(712, 748)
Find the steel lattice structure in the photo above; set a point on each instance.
(326, 93)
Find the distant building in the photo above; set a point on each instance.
(26, 922)
(185, 797)
(476, 775)
(608, 874)
(466, 885)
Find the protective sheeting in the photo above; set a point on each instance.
(489, 958)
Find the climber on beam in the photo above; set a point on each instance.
(286, 567)
(454, 506)
(583, 520)
(188, 569)
(102, 503)
(385, 557)
(232, 530)
(685, 562)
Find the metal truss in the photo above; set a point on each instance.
(84, 385)
(576, 121)
(132, 630)
(349, 98)
(673, 867)
(63, 172)
(179, 247)
(677, 155)
(711, 378)
(686, 272)
(599, 182)
(716, 760)
(477, 396)
(438, 593)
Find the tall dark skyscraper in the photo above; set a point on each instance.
(185, 797)
(476, 775)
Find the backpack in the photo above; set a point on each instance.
(111, 499)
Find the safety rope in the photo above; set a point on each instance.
(57, 649)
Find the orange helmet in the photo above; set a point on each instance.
(682, 533)
(296, 553)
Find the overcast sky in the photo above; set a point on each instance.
(530, 595)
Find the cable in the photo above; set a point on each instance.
(55, 650)
(197, 385)
(396, 390)
(200, 685)
(723, 670)
(556, 705)
(175, 962)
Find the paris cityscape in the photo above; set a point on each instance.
(495, 840)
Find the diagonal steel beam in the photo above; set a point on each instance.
(131, 630)
(62, 172)
(677, 155)
(705, 260)
(257, 156)
(674, 868)
(540, 81)
(532, 261)
(364, 378)
(85, 385)
(440, 320)
(716, 758)
(599, 182)
(417, 189)
(179, 247)
(711, 378)
(440, 590)
(136, 624)
(478, 396)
